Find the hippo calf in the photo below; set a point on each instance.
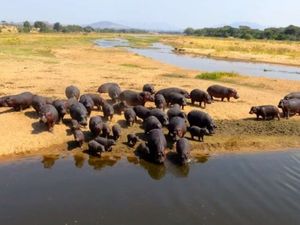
(183, 149)
(265, 111)
(200, 96)
(132, 139)
(116, 130)
(177, 128)
(202, 120)
(78, 112)
(291, 106)
(160, 101)
(72, 92)
(222, 92)
(20, 101)
(292, 95)
(94, 147)
(151, 123)
(74, 125)
(107, 143)
(130, 116)
(79, 137)
(198, 132)
(105, 87)
(49, 116)
(108, 111)
(149, 88)
(95, 125)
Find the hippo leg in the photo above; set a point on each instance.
(222, 99)
(228, 99)
(192, 136)
(201, 139)
(278, 116)
(193, 102)
(204, 105)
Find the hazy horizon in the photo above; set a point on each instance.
(173, 14)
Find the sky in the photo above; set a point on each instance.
(176, 13)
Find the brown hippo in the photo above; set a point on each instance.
(20, 101)
(72, 92)
(200, 96)
(265, 111)
(222, 92)
(291, 106)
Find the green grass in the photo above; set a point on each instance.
(216, 75)
(174, 75)
(142, 40)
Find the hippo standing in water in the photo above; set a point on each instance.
(292, 95)
(78, 112)
(78, 137)
(183, 149)
(265, 111)
(177, 128)
(61, 107)
(94, 147)
(96, 125)
(20, 101)
(156, 145)
(149, 88)
(132, 139)
(49, 116)
(72, 92)
(160, 101)
(291, 106)
(130, 116)
(133, 98)
(200, 96)
(202, 120)
(106, 86)
(88, 103)
(222, 92)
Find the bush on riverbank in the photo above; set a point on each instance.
(216, 75)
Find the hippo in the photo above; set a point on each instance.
(265, 111)
(177, 127)
(107, 143)
(108, 111)
(97, 99)
(202, 120)
(78, 112)
(120, 107)
(130, 116)
(133, 98)
(116, 130)
(114, 93)
(74, 125)
(176, 98)
(106, 130)
(222, 92)
(160, 101)
(160, 115)
(198, 132)
(71, 101)
(61, 107)
(38, 102)
(20, 101)
(200, 96)
(105, 87)
(72, 92)
(156, 144)
(132, 139)
(94, 147)
(183, 149)
(79, 137)
(95, 125)
(151, 123)
(149, 88)
(88, 103)
(3, 101)
(141, 111)
(167, 91)
(292, 95)
(175, 110)
(49, 116)
(291, 106)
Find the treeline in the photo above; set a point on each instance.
(291, 33)
(43, 27)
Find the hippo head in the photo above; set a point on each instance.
(147, 96)
(205, 131)
(207, 98)
(111, 142)
(281, 103)
(165, 121)
(233, 93)
(83, 121)
(100, 148)
(44, 117)
(184, 157)
(211, 127)
(62, 109)
(10, 101)
(160, 156)
(185, 94)
(253, 110)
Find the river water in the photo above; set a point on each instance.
(165, 54)
(261, 188)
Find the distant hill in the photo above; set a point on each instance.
(108, 25)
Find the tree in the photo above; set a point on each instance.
(41, 26)
(88, 29)
(26, 27)
(57, 27)
(189, 31)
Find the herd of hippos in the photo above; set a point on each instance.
(132, 104)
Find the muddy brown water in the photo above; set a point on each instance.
(260, 188)
(164, 53)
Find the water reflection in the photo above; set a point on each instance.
(48, 161)
(98, 163)
(79, 160)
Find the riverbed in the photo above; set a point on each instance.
(260, 188)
